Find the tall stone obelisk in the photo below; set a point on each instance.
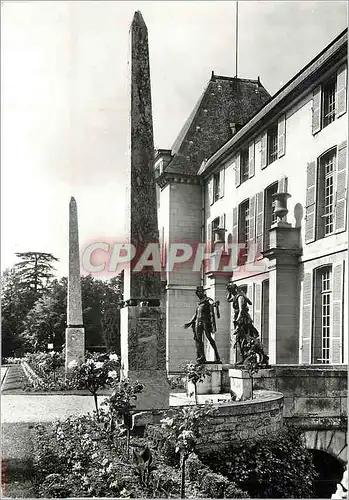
(143, 338)
(75, 332)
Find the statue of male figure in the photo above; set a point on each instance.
(203, 322)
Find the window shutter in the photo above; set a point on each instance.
(209, 239)
(237, 171)
(257, 306)
(281, 136)
(252, 229)
(222, 221)
(210, 191)
(250, 296)
(251, 167)
(341, 189)
(259, 221)
(310, 203)
(235, 226)
(316, 119)
(221, 182)
(337, 314)
(341, 97)
(283, 184)
(264, 141)
(307, 317)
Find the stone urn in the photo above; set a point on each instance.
(280, 205)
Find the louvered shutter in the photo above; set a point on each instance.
(237, 171)
(209, 239)
(337, 315)
(250, 287)
(259, 221)
(341, 189)
(257, 306)
(307, 317)
(341, 96)
(316, 118)
(210, 191)
(310, 203)
(221, 182)
(283, 184)
(264, 142)
(252, 229)
(235, 236)
(281, 135)
(251, 167)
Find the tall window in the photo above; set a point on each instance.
(244, 229)
(244, 165)
(216, 186)
(272, 143)
(326, 193)
(269, 215)
(323, 324)
(328, 102)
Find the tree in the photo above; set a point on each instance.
(36, 270)
(46, 321)
(16, 302)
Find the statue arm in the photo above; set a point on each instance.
(241, 304)
(191, 322)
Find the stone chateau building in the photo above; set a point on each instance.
(237, 155)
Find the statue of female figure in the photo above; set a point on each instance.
(247, 335)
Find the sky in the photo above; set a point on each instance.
(65, 97)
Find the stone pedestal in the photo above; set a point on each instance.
(143, 354)
(283, 255)
(240, 384)
(74, 346)
(212, 383)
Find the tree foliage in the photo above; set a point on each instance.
(34, 307)
(267, 467)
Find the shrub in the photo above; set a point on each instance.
(267, 467)
(97, 372)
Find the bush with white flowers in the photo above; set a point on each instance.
(97, 372)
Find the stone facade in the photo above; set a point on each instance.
(281, 148)
(231, 421)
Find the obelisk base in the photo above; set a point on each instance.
(74, 346)
(143, 354)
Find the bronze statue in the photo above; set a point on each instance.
(204, 322)
(247, 336)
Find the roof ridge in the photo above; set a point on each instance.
(234, 78)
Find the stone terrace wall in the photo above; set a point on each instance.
(232, 421)
(314, 395)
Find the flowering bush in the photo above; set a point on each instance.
(97, 372)
(195, 372)
(11, 361)
(118, 407)
(183, 429)
(45, 363)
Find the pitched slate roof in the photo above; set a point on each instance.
(224, 101)
(305, 79)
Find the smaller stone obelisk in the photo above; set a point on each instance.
(75, 332)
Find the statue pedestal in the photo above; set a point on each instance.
(240, 384)
(212, 383)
